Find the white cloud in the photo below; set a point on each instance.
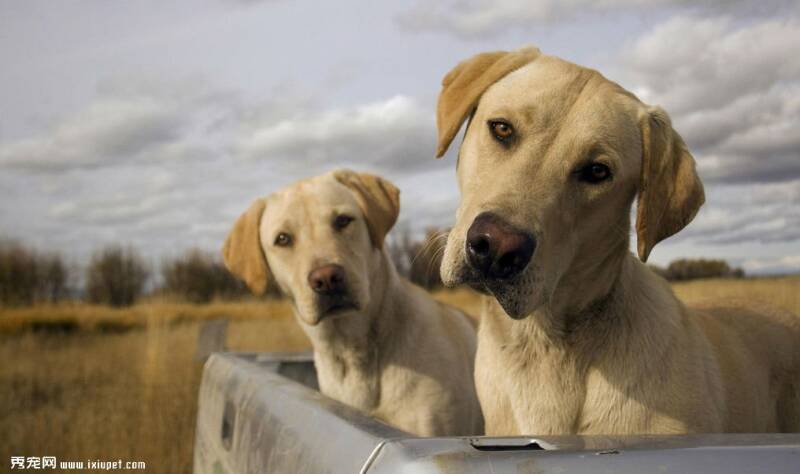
(168, 162)
(732, 89)
(128, 121)
(106, 131)
(154, 164)
(395, 133)
(480, 18)
(785, 264)
(692, 62)
(741, 213)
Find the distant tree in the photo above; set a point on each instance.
(690, 269)
(28, 277)
(53, 276)
(199, 277)
(116, 276)
(18, 275)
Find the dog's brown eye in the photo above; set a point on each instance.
(594, 173)
(283, 240)
(501, 130)
(341, 221)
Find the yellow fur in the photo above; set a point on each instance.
(400, 356)
(598, 344)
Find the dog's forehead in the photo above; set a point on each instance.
(309, 199)
(548, 78)
(547, 89)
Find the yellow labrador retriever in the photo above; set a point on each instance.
(381, 344)
(580, 336)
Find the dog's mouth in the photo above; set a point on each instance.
(511, 301)
(479, 286)
(335, 305)
(508, 292)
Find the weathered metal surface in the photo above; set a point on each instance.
(730, 454)
(275, 424)
(261, 413)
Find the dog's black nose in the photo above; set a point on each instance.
(496, 249)
(327, 279)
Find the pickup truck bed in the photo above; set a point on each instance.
(263, 413)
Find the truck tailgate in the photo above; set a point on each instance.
(261, 413)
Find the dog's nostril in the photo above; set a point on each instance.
(508, 260)
(511, 263)
(317, 284)
(480, 245)
(517, 257)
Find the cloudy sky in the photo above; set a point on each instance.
(155, 123)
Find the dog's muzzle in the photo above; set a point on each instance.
(330, 285)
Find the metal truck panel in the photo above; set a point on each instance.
(262, 413)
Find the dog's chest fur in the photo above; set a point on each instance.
(529, 384)
(524, 386)
(349, 377)
(374, 371)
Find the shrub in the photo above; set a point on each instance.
(116, 276)
(28, 277)
(199, 277)
(692, 269)
(53, 276)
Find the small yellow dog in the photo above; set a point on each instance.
(381, 344)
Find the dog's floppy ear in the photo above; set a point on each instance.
(463, 86)
(242, 251)
(670, 192)
(378, 199)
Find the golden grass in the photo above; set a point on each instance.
(78, 316)
(92, 394)
(782, 292)
(96, 392)
(109, 396)
(462, 298)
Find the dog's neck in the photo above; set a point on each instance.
(587, 284)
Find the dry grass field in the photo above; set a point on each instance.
(85, 382)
